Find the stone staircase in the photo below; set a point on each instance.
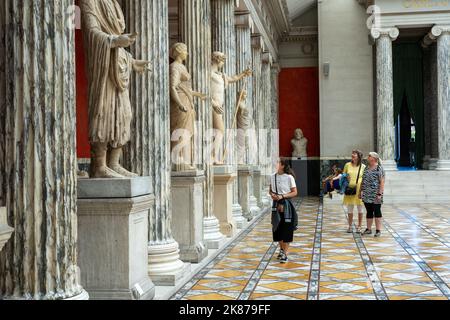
(417, 187)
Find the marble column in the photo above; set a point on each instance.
(256, 111)
(430, 105)
(442, 35)
(275, 148)
(385, 95)
(39, 162)
(195, 32)
(148, 153)
(224, 40)
(244, 25)
(266, 142)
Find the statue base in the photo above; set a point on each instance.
(113, 238)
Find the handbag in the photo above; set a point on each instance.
(280, 206)
(351, 191)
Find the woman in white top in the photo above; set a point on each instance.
(284, 216)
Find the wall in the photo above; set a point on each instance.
(83, 148)
(299, 108)
(346, 96)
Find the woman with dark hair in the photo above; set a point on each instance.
(284, 215)
(354, 170)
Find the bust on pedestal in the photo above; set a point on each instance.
(299, 145)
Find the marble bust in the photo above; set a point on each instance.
(182, 110)
(219, 82)
(109, 68)
(299, 145)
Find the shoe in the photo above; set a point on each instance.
(367, 231)
(358, 230)
(280, 255)
(284, 258)
(350, 230)
(377, 234)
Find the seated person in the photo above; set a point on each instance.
(333, 182)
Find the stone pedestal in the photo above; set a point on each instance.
(5, 230)
(257, 186)
(244, 181)
(113, 244)
(187, 212)
(224, 176)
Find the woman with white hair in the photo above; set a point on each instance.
(371, 192)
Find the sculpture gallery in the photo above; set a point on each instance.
(82, 113)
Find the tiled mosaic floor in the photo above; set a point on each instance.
(410, 261)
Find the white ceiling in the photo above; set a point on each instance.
(299, 7)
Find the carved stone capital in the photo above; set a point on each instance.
(257, 41)
(437, 31)
(267, 58)
(243, 20)
(392, 33)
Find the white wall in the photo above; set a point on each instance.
(346, 96)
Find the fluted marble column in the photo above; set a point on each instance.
(266, 139)
(385, 95)
(442, 34)
(149, 150)
(244, 26)
(39, 163)
(195, 32)
(224, 40)
(257, 107)
(275, 148)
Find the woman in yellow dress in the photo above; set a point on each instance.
(350, 201)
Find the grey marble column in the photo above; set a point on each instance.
(244, 25)
(442, 34)
(39, 162)
(275, 148)
(148, 153)
(430, 105)
(385, 95)
(257, 50)
(195, 32)
(224, 40)
(266, 123)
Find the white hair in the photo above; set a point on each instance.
(375, 156)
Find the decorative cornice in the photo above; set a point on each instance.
(392, 33)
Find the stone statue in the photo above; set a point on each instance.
(182, 111)
(219, 82)
(109, 68)
(299, 144)
(244, 122)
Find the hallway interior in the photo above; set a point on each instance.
(410, 261)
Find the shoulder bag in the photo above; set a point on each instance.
(351, 191)
(280, 206)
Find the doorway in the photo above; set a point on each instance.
(406, 153)
(409, 105)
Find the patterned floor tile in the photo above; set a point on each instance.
(411, 261)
